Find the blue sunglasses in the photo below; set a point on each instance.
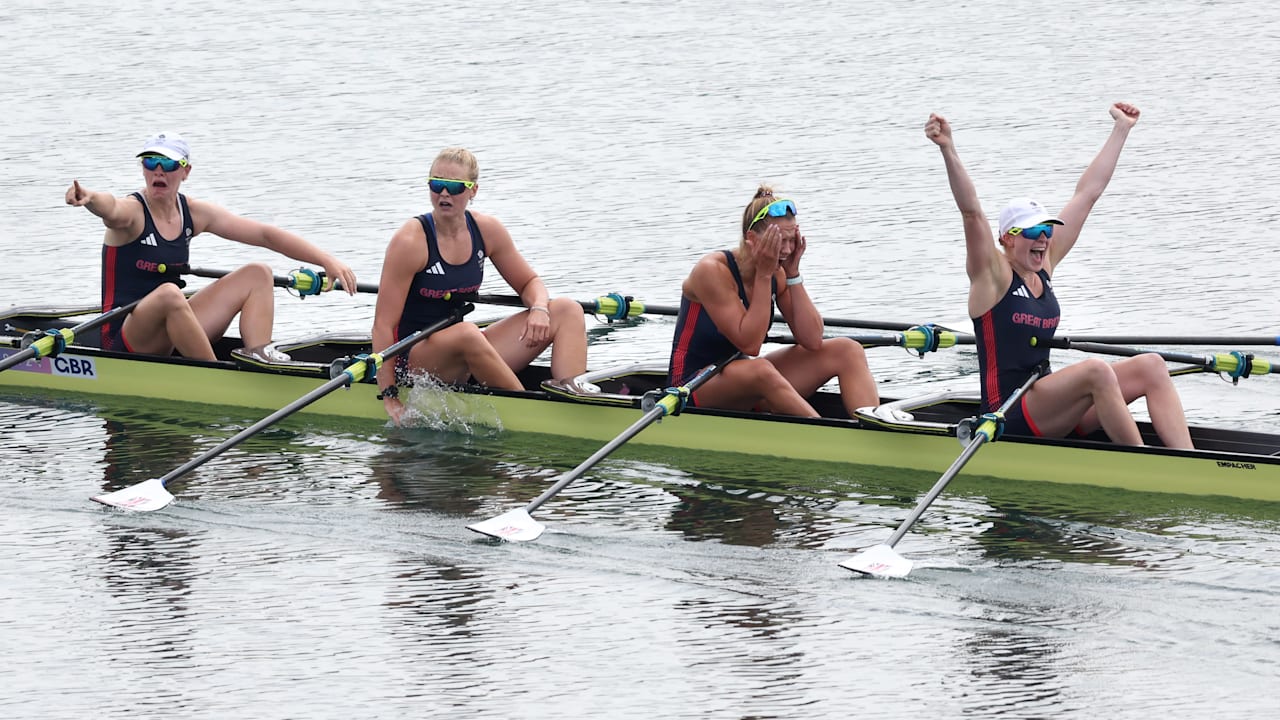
(1034, 232)
(454, 187)
(167, 164)
(777, 208)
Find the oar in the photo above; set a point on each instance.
(921, 338)
(614, 306)
(617, 307)
(1272, 340)
(883, 560)
(1234, 364)
(308, 282)
(518, 525)
(51, 343)
(152, 495)
(303, 280)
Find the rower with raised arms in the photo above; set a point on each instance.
(439, 255)
(1015, 313)
(147, 243)
(727, 305)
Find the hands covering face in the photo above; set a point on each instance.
(777, 245)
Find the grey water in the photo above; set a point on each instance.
(323, 570)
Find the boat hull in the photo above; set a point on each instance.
(923, 446)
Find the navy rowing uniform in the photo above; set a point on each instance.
(697, 342)
(425, 302)
(132, 271)
(1006, 355)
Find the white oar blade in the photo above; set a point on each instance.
(514, 525)
(879, 560)
(145, 497)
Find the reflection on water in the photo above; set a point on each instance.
(151, 574)
(339, 546)
(1015, 662)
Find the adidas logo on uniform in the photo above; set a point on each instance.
(150, 239)
(436, 269)
(1022, 291)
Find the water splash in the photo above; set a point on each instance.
(434, 405)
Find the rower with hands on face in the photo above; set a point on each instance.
(152, 229)
(727, 305)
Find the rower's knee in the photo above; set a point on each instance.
(849, 352)
(259, 273)
(461, 336)
(567, 314)
(168, 297)
(1098, 375)
(1152, 367)
(763, 376)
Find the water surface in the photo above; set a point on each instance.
(322, 569)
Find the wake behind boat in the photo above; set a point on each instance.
(916, 433)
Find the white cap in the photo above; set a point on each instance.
(168, 144)
(1025, 213)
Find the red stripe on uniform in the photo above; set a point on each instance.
(108, 286)
(992, 376)
(682, 345)
(109, 279)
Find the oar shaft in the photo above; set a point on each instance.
(298, 280)
(938, 487)
(354, 373)
(590, 306)
(257, 427)
(1103, 349)
(981, 435)
(651, 415)
(47, 345)
(635, 428)
(1177, 339)
(910, 339)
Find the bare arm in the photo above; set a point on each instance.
(794, 302)
(984, 264)
(405, 256)
(521, 276)
(122, 216)
(711, 283)
(509, 263)
(208, 217)
(1093, 182)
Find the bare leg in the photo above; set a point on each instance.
(248, 291)
(1059, 402)
(568, 340)
(163, 321)
(569, 343)
(461, 351)
(747, 383)
(808, 370)
(1148, 376)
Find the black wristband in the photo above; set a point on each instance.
(389, 392)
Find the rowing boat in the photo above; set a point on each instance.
(915, 433)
